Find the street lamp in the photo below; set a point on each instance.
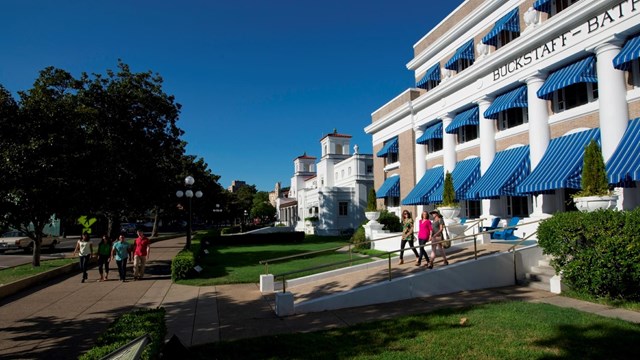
(244, 223)
(188, 182)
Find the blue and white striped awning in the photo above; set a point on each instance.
(624, 165)
(561, 165)
(465, 175)
(432, 132)
(509, 22)
(543, 5)
(430, 181)
(432, 74)
(390, 146)
(516, 98)
(467, 117)
(507, 170)
(389, 188)
(629, 52)
(583, 71)
(464, 52)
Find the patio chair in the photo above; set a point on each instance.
(494, 225)
(507, 234)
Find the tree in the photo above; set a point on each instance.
(43, 152)
(449, 193)
(594, 179)
(262, 208)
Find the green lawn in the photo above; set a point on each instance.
(26, 270)
(240, 264)
(509, 330)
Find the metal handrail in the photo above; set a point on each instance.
(267, 261)
(388, 253)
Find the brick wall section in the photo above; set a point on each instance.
(634, 109)
(435, 161)
(407, 161)
(446, 26)
(589, 121)
(462, 155)
(409, 95)
(505, 143)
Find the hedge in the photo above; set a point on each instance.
(182, 265)
(129, 327)
(597, 252)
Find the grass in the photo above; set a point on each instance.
(23, 271)
(240, 263)
(508, 330)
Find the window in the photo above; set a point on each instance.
(518, 206)
(392, 157)
(512, 118)
(574, 95)
(562, 5)
(349, 171)
(505, 37)
(634, 73)
(467, 133)
(463, 64)
(430, 84)
(392, 201)
(342, 174)
(343, 207)
(434, 145)
(473, 208)
(369, 169)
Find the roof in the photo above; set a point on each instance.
(335, 134)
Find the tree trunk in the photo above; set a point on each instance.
(154, 232)
(35, 261)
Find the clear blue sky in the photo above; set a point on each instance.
(260, 81)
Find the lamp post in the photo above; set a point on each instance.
(188, 182)
(244, 223)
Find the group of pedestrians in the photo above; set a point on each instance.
(120, 251)
(427, 231)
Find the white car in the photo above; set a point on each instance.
(16, 240)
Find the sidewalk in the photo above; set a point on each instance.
(62, 319)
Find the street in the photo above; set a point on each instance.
(64, 248)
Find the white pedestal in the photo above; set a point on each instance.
(266, 283)
(556, 285)
(284, 304)
(370, 228)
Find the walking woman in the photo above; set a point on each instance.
(407, 235)
(424, 233)
(437, 237)
(84, 248)
(121, 252)
(104, 255)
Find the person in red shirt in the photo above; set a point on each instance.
(141, 251)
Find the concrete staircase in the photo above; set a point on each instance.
(540, 276)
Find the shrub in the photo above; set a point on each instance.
(449, 193)
(182, 265)
(390, 221)
(597, 252)
(129, 327)
(594, 181)
(359, 239)
(372, 202)
(230, 230)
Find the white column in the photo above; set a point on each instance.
(539, 133)
(487, 147)
(448, 144)
(421, 164)
(612, 92)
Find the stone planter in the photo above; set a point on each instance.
(449, 212)
(372, 215)
(593, 203)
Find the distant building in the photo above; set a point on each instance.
(236, 185)
(334, 190)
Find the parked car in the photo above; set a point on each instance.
(16, 240)
(128, 228)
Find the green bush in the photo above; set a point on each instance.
(129, 327)
(359, 239)
(594, 181)
(230, 230)
(597, 252)
(390, 221)
(182, 265)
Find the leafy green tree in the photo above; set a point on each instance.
(43, 151)
(262, 208)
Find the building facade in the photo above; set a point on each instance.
(329, 196)
(508, 93)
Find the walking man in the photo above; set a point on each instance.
(142, 249)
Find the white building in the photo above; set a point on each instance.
(508, 93)
(334, 190)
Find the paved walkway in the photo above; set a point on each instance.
(62, 319)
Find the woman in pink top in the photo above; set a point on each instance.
(424, 232)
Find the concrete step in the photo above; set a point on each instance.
(546, 270)
(538, 285)
(544, 262)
